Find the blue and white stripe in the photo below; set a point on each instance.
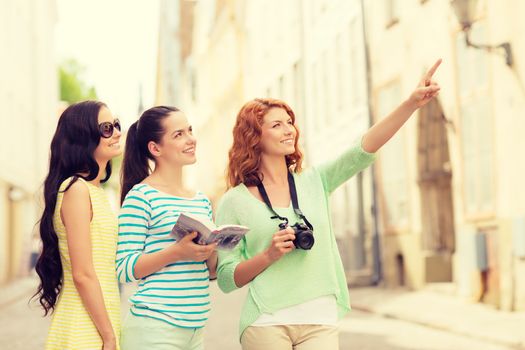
(179, 293)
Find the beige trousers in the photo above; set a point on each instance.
(296, 337)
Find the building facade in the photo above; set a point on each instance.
(29, 95)
(445, 191)
(239, 51)
(452, 207)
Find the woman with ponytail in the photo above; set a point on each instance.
(79, 232)
(172, 303)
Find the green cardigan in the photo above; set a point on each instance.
(300, 275)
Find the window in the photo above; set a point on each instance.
(193, 84)
(476, 124)
(315, 101)
(320, 87)
(357, 67)
(280, 93)
(297, 87)
(327, 80)
(339, 74)
(394, 163)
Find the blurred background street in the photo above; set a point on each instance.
(432, 237)
(445, 326)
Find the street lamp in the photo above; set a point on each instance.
(465, 11)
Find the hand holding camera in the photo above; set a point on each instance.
(303, 235)
(282, 243)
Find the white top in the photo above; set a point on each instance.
(319, 311)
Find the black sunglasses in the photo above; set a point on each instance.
(106, 129)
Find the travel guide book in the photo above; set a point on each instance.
(227, 236)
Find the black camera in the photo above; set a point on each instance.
(304, 237)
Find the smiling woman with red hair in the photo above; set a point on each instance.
(297, 285)
(245, 157)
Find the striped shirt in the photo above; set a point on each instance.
(178, 293)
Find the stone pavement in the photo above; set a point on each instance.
(382, 319)
(443, 311)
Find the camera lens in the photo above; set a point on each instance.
(304, 238)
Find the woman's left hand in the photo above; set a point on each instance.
(426, 90)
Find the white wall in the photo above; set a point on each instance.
(28, 96)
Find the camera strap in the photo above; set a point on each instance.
(293, 196)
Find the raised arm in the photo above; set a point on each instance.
(382, 131)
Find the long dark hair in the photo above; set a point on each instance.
(72, 149)
(135, 166)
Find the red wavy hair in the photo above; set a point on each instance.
(245, 153)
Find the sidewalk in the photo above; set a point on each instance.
(18, 289)
(445, 312)
(426, 307)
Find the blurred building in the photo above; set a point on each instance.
(234, 51)
(210, 90)
(28, 95)
(452, 202)
(214, 72)
(311, 55)
(169, 53)
(450, 206)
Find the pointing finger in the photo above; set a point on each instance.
(430, 73)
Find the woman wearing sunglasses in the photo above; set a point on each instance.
(298, 290)
(79, 232)
(172, 303)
